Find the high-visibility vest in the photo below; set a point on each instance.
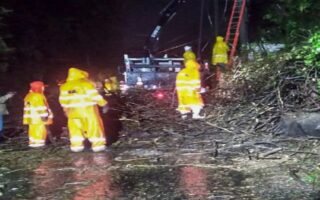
(36, 109)
(115, 84)
(78, 94)
(188, 86)
(107, 87)
(220, 52)
(188, 80)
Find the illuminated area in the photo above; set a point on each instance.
(161, 99)
(160, 95)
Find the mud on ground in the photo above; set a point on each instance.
(236, 152)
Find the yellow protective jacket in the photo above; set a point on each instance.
(188, 85)
(189, 55)
(111, 85)
(107, 87)
(79, 99)
(220, 52)
(78, 95)
(115, 83)
(36, 109)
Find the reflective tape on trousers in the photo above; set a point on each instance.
(36, 108)
(35, 115)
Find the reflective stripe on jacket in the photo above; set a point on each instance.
(79, 92)
(188, 86)
(220, 52)
(82, 96)
(79, 99)
(36, 109)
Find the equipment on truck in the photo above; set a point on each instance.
(167, 13)
(151, 72)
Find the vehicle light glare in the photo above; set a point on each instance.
(159, 95)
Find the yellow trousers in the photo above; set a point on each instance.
(37, 135)
(90, 128)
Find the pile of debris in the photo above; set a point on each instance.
(270, 118)
(263, 129)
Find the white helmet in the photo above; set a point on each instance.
(187, 48)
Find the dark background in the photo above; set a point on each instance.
(50, 36)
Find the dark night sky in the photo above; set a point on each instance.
(96, 33)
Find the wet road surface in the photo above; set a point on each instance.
(64, 175)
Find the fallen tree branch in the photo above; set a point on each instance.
(215, 126)
(273, 151)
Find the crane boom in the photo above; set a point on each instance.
(167, 13)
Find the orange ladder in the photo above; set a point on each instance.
(233, 31)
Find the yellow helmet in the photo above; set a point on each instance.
(219, 39)
(76, 74)
(113, 79)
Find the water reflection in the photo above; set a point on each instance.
(193, 182)
(86, 177)
(96, 181)
(46, 180)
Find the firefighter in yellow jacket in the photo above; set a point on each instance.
(80, 100)
(107, 87)
(37, 114)
(188, 85)
(111, 86)
(115, 84)
(219, 59)
(220, 52)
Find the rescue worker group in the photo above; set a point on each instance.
(80, 100)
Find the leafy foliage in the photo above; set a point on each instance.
(313, 177)
(293, 22)
(309, 51)
(312, 51)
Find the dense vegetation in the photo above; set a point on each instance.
(294, 23)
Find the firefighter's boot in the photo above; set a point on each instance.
(196, 112)
(184, 114)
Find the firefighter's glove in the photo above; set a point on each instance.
(105, 109)
(203, 90)
(49, 121)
